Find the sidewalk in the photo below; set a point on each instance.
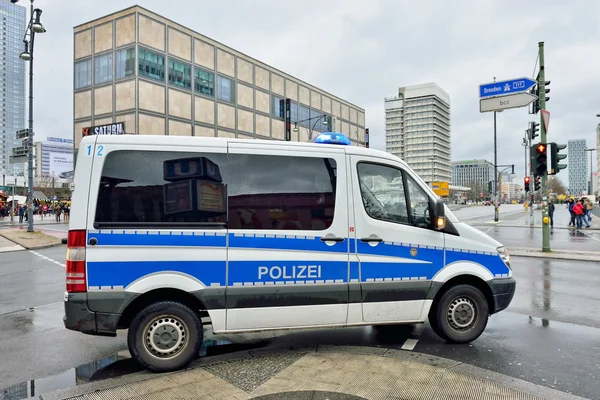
(37, 220)
(521, 220)
(30, 240)
(326, 372)
(7, 246)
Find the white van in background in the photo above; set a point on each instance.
(261, 235)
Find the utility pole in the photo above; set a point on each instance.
(496, 210)
(544, 188)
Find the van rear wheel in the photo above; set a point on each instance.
(165, 336)
(460, 315)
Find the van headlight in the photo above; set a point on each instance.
(503, 252)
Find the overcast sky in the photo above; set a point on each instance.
(362, 51)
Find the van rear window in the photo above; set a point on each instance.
(170, 189)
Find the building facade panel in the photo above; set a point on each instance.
(291, 89)
(335, 108)
(102, 121)
(125, 30)
(353, 115)
(180, 44)
(180, 104)
(226, 134)
(303, 95)
(326, 104)
(151, 125)
(103, 37)
(345, 112)
(226, 116)
(245, 71)
(245, 95)
(277, 129)
(151, 97)
(130, 122)
(103, 100)
(125, 96)
(83, 104)
(277, 85)
(204, 110)
(204, 131)
(245, 121)
(179, 128)
(83, 44)
(204, 54)
(263, 125)
(315, 100)
(225, 63)
(262, 77)
(151, 32)
(263, 102)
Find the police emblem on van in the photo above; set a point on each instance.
(413, 252)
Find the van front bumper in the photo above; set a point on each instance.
(78, 317)
(503, 291)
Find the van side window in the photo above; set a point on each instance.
(419, 204)
(383, 194)
(160, 188)
(281, 193)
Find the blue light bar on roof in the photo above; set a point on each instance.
(333, 138)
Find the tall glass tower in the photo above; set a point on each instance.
(12, 85)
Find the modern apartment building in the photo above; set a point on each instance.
(54, 159)
(162, 78)
(511, 191)
(12, 87)
(417, 129)
(577, 166)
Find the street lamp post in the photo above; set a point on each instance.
(314, 125)
(591, 187)
(34, 26)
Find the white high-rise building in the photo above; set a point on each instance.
(577, 166)
(417, 125)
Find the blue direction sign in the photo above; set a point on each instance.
(505, 87)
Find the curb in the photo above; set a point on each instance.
(36, 247)
(556, 254)
(444, 363)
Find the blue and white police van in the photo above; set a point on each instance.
(263, 235)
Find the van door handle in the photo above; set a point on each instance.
(371, 240)
(332, 239)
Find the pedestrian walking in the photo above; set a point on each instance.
(570, 206)
(21, 214)
(551, 211)
(579, 210)
(588, 211)
(57, 212)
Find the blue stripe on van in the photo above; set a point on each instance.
(161, 238)
(123, 273)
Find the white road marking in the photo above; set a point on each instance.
(590, 236)
(409, 344)
(48, 258)
(489, 229)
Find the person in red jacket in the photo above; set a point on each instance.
(579, 210)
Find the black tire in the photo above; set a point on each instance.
(177, 336)
(460, 315)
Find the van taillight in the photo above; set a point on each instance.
(76, 262)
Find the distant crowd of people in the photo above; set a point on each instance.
(60, 210)
(581, 212)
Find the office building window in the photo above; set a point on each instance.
(180, 74)
(225, 90)
(125, 63)
(83, 74)
(204, 82)
(277, 106)
(151, 65)
(103, 69)
(303, 115)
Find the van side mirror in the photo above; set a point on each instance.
(439, 217)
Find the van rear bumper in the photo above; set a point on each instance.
(78, 317)
(503, 291)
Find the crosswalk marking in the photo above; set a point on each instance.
(48, 258)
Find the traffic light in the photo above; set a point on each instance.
(536, 91)
(526, 179)
(537, 184)
(539, 159)
(555, 157)
(533, 128)
(490, 183)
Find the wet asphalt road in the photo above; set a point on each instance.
(550, 334)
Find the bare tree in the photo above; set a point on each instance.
(556, 185)
(47, 185)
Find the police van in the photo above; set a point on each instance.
(254, 235)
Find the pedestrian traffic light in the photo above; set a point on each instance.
(533, 128)
(537, 184)
(526, 183)
(539, 159)
(555, 158)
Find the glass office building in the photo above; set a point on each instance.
(12, 85)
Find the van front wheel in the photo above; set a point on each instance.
(165, 336)
(460, 315)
